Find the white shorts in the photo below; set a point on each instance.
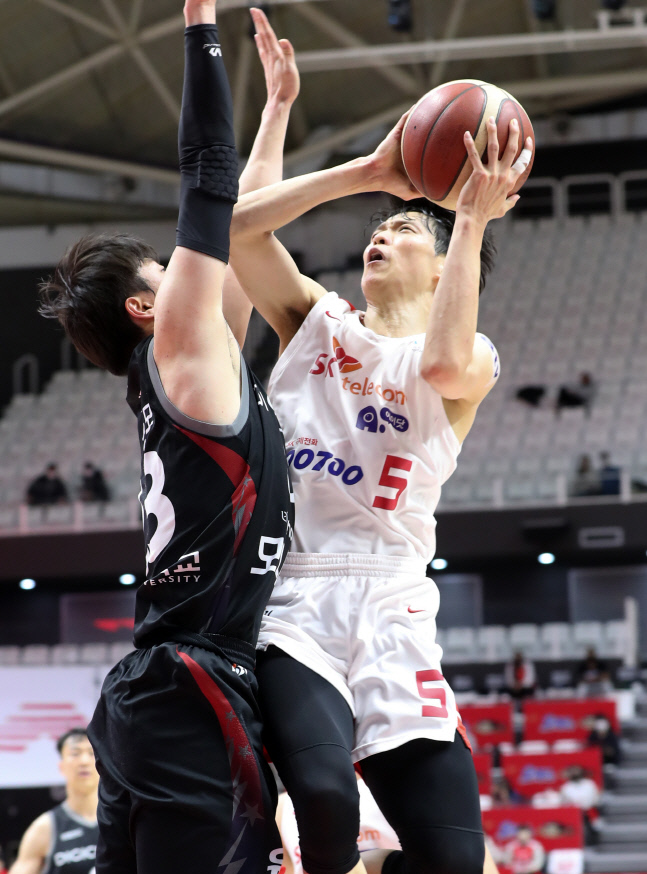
(367, 624)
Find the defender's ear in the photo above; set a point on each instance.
(140, 308)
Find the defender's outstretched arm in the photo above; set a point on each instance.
(265, 163)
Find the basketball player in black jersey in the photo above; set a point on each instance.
(176, 733)
(64, 839)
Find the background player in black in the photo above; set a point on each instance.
(64, 839)
(176, 732)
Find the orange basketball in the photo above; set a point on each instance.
(433, 149)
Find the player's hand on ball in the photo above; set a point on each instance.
(486, 194)
(388, 166)
(277, 58)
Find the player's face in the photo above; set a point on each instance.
(77, 764)
(401, 254)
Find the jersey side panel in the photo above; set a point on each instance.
(217, 512)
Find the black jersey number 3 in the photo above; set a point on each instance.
(155, 503)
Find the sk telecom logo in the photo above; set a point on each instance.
(345, 363)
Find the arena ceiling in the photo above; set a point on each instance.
(90, 89)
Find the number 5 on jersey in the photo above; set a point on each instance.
(388, 481)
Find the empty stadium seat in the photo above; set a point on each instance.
(588, 635)
(65, 654)
(614, 639)
(493, 644)
(556, 640)
(460, 645)
(531, 747)
(35, 654)
(525, 638)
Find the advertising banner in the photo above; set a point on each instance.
(556, 828)
(552, 720)
(37, 706)
(488, 724)
(529, 774)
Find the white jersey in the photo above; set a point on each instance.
(369, 443)
(374, 831)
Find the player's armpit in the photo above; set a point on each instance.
(271, 280)
(193, 347)
(34, 847)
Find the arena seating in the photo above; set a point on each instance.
(80, 416)
(565, 297)
(554, 641)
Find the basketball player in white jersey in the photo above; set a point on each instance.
(374, 407)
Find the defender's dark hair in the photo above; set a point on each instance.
(441, 224)
(87, 294)
(72, 732)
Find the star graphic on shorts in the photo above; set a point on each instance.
(229, 715)
(245, 751)
(251, 813)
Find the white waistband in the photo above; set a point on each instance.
(333, 564)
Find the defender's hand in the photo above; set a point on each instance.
(486, 194)
(277, 58)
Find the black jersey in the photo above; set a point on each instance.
(217, 507)
(74, 843)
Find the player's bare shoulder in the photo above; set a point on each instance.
(35, 846)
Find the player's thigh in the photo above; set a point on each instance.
(428, 791)
(299, 707)
(115, 849)
(169, 841)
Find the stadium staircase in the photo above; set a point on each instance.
(622, 840)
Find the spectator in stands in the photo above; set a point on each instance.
(500, 793)
(586, 480)
(604, 736)
(520, 677)
(524, 854)
(579, 394)
(609, 475)
(48, 488)
(582, 791)
(532, 395)
(93, 485)
(593, 676)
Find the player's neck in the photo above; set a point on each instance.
(398, 318)
(83, 803)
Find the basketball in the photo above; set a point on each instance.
(433, 149)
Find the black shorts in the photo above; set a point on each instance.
(184, 785)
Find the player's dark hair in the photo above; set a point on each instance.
(71, 733)
(87, 294)
(441, 224)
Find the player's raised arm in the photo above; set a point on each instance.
(455, 362)
(263, 266)
(192, 341)
(265, 163)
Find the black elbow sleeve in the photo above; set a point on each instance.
(208, 158)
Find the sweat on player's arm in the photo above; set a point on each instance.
(263, 266)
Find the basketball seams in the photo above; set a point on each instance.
(478, 124)
(480, 139)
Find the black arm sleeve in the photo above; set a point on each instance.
(208, 159)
